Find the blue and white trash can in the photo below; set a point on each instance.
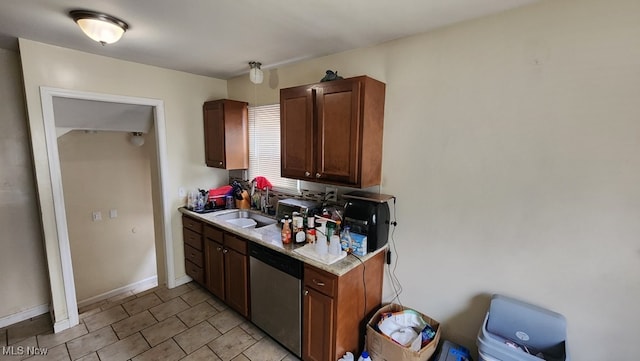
(514, 330)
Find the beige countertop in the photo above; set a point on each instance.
(269, 236)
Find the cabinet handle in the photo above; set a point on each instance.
(306, 174)
(220, 163)
(306, 292)
(318, 283)
(225, 251)
(219, 249)
(318, 175)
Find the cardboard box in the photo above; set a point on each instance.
(382, 348)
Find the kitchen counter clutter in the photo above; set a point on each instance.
(269, 236)
(319, 308)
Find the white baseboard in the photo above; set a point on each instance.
(182, 280)
(61, 325)
(139, 286)
(23, 315)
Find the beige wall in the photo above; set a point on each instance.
(100, 172)
(23, 275)
(513, 145)
(183, 95)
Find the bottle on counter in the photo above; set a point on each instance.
(346, 240)
(298, 229)
(286, 231)
(311, 230)
(331, 229)
(297, 224)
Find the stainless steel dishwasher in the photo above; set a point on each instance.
(276, 295)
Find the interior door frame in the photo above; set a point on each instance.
(47, 94)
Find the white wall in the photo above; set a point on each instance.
(513, 145)
(101, 172)
(183, 95)
(23, 275)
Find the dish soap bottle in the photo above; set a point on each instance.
(345, 240)
(286, 231)
(364, 356)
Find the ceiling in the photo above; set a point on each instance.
(219, 38)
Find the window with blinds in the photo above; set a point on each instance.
(264, 146)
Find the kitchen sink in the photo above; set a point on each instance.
(246, 219)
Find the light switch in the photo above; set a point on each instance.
(96, 216)
(182, 192)
(113, 213)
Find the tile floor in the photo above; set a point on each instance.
(183, 323)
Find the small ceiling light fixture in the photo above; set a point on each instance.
(102, 28)
(136, 139)
(255, 74)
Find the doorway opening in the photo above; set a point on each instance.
(109, 207)
(158, 170)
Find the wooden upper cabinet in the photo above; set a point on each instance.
(296, 129)
(331, 132)
(226, 134)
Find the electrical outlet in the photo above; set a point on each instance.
(113, 213)
(96, 216)
(331, 194)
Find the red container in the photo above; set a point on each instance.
(217, 195)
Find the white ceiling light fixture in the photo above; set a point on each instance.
(255, 74)
(100, 27)
(136, 139)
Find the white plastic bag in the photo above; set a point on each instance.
(403, 327)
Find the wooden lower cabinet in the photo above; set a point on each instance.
(337, 308)
(214, 267)
(193, 249)
(317, 332)
(237, 282)
(227, 268)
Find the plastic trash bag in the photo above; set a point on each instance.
(407, 328)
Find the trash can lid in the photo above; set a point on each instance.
(525, 323)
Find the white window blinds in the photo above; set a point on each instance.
(264, 146)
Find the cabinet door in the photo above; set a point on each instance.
(338, 131)
(214, 139)
(318, 327)
(236, 281)
(214, 267)
(296, 133)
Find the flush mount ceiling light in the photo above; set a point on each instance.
(255, 74)
(102, 28)
(136, 139)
